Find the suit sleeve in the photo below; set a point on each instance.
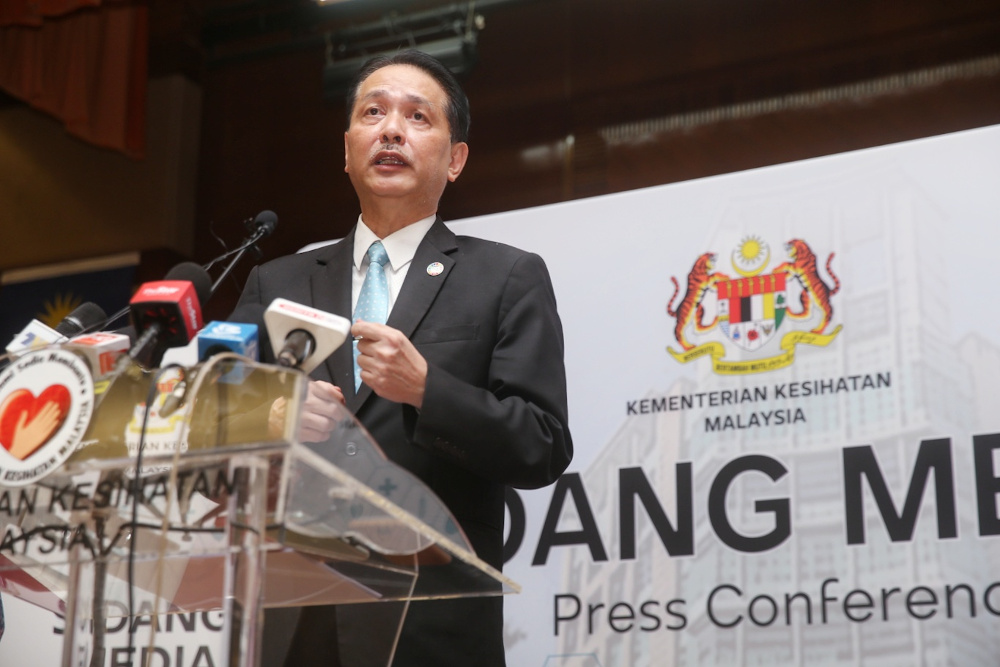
(250, 309)
(515, 430)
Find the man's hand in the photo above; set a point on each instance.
(390, 364)
(319, 413)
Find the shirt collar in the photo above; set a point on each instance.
(400, 246)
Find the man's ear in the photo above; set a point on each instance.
(459, 154)
(346, 161)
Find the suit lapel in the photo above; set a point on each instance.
(421, 286)
(416, 296)
(331, 291)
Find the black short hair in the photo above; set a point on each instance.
(458, 104)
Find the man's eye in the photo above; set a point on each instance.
(418, 116)
(373, 111)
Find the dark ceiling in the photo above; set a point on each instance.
(733, 48)
(189, 35)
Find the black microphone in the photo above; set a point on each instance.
(263, 226)
(37, 334)
(299, 345)
(167, 313)
(82, 318)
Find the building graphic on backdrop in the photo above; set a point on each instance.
(894, 312)
(652, 446)
(744, 314)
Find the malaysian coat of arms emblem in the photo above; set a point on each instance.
(750, 309)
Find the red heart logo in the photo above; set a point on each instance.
(27, 422)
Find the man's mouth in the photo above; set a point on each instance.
(384, 159)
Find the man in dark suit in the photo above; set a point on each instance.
(464, 384)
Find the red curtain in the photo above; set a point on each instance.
(82, 61)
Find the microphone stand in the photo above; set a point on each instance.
(98, 608)
(261, 232)
(258, 234)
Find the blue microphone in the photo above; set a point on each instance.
(217, 337)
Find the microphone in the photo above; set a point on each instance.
(32, 337)
(167, 313)
(231, 336)
(37, 334)
(217, 338)
(101, 351)
(263, 226)
(82, 318)
(302, 337)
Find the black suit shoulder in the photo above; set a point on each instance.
(501, 251)
(503, 266)
(299, 263)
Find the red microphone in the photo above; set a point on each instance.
(167, 313)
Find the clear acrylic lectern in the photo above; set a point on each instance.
(152, 493)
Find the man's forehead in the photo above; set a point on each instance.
(407, 81)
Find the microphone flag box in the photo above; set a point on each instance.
(243, 339)
(171, 304)
(100, 350)
(34, 336)
(327, 330)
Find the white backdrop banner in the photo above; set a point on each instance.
(782, 397)
(783, 389)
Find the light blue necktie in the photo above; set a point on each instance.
(373, 301)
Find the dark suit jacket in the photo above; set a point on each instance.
(494, 411)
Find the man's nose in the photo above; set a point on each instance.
(392, 132)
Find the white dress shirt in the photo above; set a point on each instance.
(400, 246)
